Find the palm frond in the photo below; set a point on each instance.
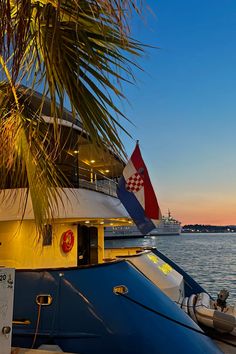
(71, 48)
(26, 155)
(73, 52)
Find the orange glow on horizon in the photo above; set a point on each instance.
(211, 213)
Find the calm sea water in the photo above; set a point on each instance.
(209, 258)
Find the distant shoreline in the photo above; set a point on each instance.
(208, 232)
(208, 229)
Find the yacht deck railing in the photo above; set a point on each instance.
(106, 186)
(81, 177)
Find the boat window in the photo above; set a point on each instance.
(44, 299)
(47, 235)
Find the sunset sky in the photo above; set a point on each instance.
(184, 107)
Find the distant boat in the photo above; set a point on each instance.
(168, 226)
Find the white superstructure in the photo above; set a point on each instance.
(167, 226)
(85, 202)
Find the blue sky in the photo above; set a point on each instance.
(184, 107)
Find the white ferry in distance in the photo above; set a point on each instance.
(168, 226)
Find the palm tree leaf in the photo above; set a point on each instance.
(72, 51)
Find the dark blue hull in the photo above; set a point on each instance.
(87, 317)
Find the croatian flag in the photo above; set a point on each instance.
(136, 193)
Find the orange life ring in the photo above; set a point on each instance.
(67, 241)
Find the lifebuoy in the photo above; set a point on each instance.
(67, 241)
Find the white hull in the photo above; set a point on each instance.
(167, 229)
(132, 231)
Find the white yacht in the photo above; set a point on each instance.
(167, 226)
(70, 292)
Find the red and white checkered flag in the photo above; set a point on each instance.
(136, 193)
(134, 183)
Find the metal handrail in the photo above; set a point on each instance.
(109, 189)
(79, 179)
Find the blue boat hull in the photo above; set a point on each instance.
(86, 316)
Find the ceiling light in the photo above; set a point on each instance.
(87, 222)
(92, 161)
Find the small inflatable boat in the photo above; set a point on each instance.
(202, 309)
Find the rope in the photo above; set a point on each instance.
(56, 305)
(189, 306)
(175, 321)
(37, 326)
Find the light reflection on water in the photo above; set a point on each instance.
(209, 258)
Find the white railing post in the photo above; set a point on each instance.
(7, 281)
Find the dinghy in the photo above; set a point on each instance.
(205, 311)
